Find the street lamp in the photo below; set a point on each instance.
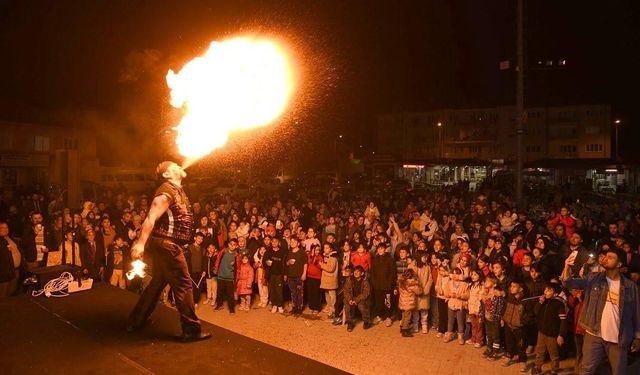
(616, 123)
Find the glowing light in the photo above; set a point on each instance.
(238, 84)
(137, 269)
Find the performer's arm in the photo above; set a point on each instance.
(159, 206)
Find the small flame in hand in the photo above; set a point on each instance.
(137, 269)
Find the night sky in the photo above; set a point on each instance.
(103, 62)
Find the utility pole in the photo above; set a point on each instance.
(519, 101)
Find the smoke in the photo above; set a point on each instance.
(139, 64)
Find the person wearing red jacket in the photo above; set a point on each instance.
(314, 274)
(361, 257)
(564, 217)
(244, 283)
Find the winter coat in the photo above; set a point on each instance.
(441, 284)
(357, 290)
(363, 260)
(329, 279)
(475, 298)
(461, 290)
(514, 312)
(408, 291)
(244, 281)
(216, 268)
(383, 272)
(551, 317)
(314, 271)
(425, 281)
(569, 223)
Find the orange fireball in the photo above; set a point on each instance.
(238, 84)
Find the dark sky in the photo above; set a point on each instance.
(109, 57)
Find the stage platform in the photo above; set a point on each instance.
(84, 333)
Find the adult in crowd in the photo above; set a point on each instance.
(610, 315)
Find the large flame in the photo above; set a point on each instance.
(238, 84)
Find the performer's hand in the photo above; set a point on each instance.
(635, 345)
(560, 340)
(204, 273)
(137, 250)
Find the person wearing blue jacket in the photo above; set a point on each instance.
(610, 314)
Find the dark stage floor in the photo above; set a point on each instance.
(84, 333)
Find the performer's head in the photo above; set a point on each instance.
(168, 170)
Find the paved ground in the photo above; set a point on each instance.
(380, 350)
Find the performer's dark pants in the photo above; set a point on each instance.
(169, 266)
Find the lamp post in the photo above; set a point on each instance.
(439, 140)
(616, 124)
(335, 153)
(519, 100)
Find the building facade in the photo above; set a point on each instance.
(460, 144)
(572, 132)
(36, 154)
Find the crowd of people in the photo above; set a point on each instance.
(469, 267)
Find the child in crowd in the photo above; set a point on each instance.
(441, 285)
(475, 313)
(262, 279)
(493, 302)
(314, 274)
(329, 278)
(245, 283)
(340, 306)
(457, 293)
(209, 267)
(361, 257)
(383, 280)
(275, 260)
(434, 265)
(408, 290)
(356, 297)
(484, 265)
(403, 262)
(513, 320)
(423, 275)
(118, 250)
(551, 317)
